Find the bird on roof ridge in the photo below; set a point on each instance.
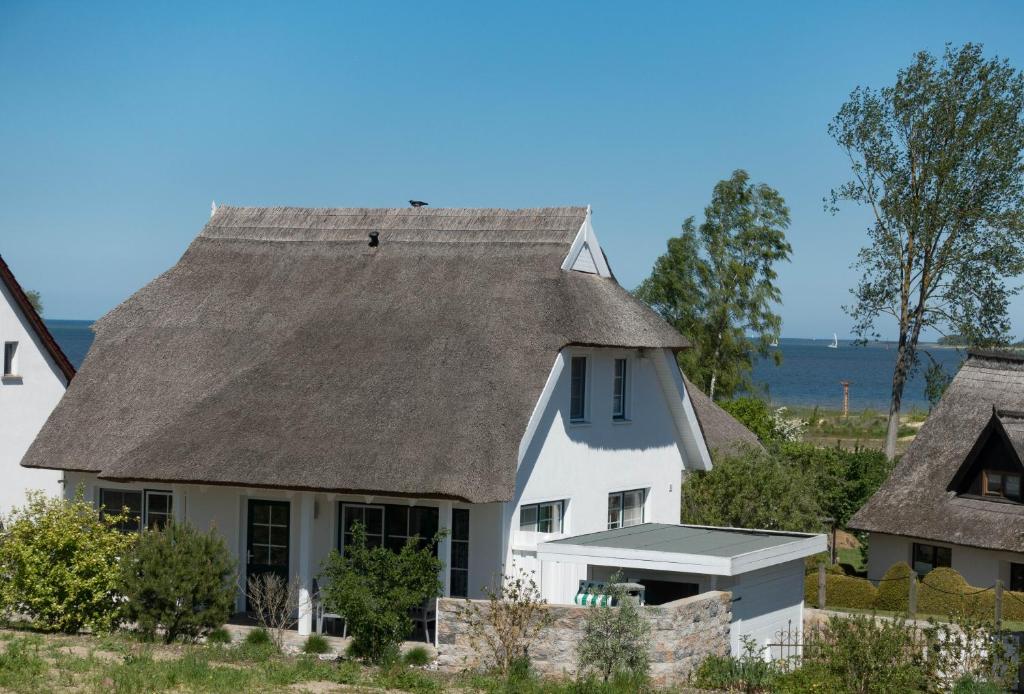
(418, 203)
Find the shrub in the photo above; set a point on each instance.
(417, 656)
(944, 591)
(376, 588)
(60, 560)
(749, 672)
(615, 639)
(514, 617)
(753, 413)
(894, 588)
(275, 603)
(258, 637)
(841, 591)
(220, 635)
(971, 649)
(315, 645)
(179, 580)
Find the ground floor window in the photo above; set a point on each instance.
(390, 525)
(150, 509)
(1016, 576)
(542, 518)
(626, 508)
(371, 518)
(459, 571)
(928, 557)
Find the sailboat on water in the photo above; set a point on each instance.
(774, 342)
(835, 342)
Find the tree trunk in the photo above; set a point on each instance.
(899, 380)
(711, 389)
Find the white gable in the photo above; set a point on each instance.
(585, 254)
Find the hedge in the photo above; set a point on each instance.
(841, 591)
(894, 588)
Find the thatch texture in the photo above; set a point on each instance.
(283, 351)
(723, 433)
(915, 500)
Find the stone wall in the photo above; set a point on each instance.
(683, 633)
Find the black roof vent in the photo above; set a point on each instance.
(374, 239)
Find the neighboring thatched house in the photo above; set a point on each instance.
(955, 498)
(299, 370)
(35, 373)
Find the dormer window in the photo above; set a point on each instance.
(1001, 484)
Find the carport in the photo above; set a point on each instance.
(763, 569)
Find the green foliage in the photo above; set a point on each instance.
(59, 560)
(22, 666)
(749, 672)
(418, 656)
(376, 588)
(936, 158)
(179, 580)
(936, 380)
(716, 283)
(396, 677)
(841, 591)
(36, 299)
(943, 591)
(971, 685)
(753, 413)
(220, 636)
(894, 588)
(754, 490)
(258, 637)
(615, 639)
(315, 645)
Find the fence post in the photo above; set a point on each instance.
(999, 606)
(821, 586)
(912, 601)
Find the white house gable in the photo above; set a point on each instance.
(585, 254)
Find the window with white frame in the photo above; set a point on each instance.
(578, 390)
(159, 510)
(626, 508)
(371, 518)
(619, 390)
(10, 358)
(151, 509)
(546, 517)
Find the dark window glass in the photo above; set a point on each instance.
(114, 501)
(1016, 576)
(626, 508)
(928, 557)
(541, 518)
(619, 390)
(459, 570)
(578, 387)
(9, 349)
(372, 518)
(158, 510)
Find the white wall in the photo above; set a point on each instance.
(766, 602)
(25, 404)
(980, 567)
(583, 463)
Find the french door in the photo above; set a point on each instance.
(267, 543)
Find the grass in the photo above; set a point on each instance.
(853, 557)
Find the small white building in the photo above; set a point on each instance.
(955, 498)
(34, 377)
(300, 370)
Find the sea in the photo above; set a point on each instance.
(809, 375)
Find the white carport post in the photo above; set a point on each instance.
(306, 563)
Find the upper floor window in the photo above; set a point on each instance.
(10, 355)
(1004, 484)
(542, 518)
(619, 390)
(578, 390)
(626, 508)
(928, 557)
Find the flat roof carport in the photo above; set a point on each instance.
(693, 549)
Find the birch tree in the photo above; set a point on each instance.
(937, 159)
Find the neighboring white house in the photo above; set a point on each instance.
(34, 377)
(300, 370)
(955, 498)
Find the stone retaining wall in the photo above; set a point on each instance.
(683, 633)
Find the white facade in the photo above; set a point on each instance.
(27, 397)
(979, 567)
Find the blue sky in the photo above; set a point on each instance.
(119, 123)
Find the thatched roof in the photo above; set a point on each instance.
(916, 501)
(723, 433)
(35, 321)
(283, 351)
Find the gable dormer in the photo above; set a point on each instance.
(993, 469)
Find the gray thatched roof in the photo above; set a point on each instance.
(283, 351)
(915, 500)
(723, 433)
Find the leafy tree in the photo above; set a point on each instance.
(754, 490)
(615, 640)
(35, 299)
(716, 283)
(376, 588)
(59, 560)
(937, 159)
(754, 413)
(936, 380)
(179, 580)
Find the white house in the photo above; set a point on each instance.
(35, 375)
(300, 370)
(955, 498)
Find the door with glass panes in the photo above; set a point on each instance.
(268, 539)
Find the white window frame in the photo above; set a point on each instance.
(559, 503)
(169, 514)
(11, 366)
(587, 368)
(144, 496)
(623, 414)
(621, 496)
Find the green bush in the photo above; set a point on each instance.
(894, 588)
(615, 639)
(749, 672)
(841, 591)
(60, 560)
(753, 413)
(417, 656)
(943, 591)
(315, 645)
(220, 635)
(179, 580)
(376, 588)
(258, 637)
